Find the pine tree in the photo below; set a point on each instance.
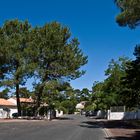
(14, 41)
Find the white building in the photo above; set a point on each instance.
(80, 106)
(7, 108)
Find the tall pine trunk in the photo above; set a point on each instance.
(17, 96)
(39, 96)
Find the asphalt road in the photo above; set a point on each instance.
(72, 127)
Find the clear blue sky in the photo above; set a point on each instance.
(92, 21)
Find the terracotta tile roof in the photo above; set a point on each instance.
(26, 100)
(4, 102)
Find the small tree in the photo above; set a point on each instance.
(4, 93)
(109, 92)
(131, 92)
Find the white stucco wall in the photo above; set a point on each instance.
(116, 116)
(13, 110)
(58, 114)
(3, 114)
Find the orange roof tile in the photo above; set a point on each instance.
(27, 100)
(5, 102)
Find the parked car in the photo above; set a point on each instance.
(15, 115)
(90, 113)
(83, 112)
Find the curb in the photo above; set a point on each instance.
(18, 120)
(108, 133)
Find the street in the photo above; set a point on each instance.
(70, 127)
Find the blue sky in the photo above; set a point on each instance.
(91, 21)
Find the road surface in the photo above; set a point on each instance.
(71, 127)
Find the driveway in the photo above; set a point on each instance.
(70, 127)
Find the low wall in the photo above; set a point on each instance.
(59, 113)
(115, 115)
(132, 115)
(123, 115)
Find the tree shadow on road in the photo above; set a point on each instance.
(120, 124)
(64, 118)
(89, 124)
(135, 136)
(126, 130)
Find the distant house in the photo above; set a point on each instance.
(81, 105)
(25, 104)
(7, 108)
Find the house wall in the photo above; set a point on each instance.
(3, 114)
(13, 110)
